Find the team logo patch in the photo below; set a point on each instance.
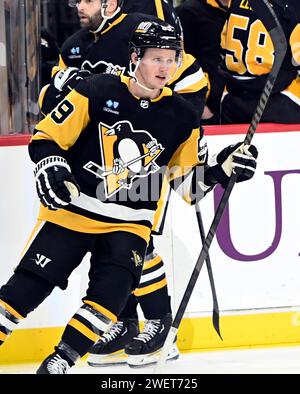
(137, 258)
(103, 67)
(75, 53)
(126, 154)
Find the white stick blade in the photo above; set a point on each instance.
(165, 350)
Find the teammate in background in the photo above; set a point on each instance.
(86, 50)
(248, 59)
(163, 9)
(78, 148)
(49, 55)
(202, 22)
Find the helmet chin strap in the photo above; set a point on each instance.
(105, 18)
(133, 75)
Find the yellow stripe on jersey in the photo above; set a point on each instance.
(161, 204)
(295, 44)
(102, 310)
(116, 22)
(151, 288)
(159, 10)
(83, 330)
(66, 122)
(151, 263)
(11, 310)
(84, 224)
(185, 157)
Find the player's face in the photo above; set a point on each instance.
(156, 68)
(89, 12)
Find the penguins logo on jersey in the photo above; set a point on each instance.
(103, 67)
(126, 154)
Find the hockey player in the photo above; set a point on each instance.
(78, 212)
(202, 22)
(91, 49)
(249, 55)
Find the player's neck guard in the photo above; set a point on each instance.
(105, 18)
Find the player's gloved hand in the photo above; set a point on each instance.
(65, 80)
(239, 158)
(55, 183)
(61, 84)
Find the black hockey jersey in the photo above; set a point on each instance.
(163, 9)
(249, 51)
(107, 51)
(101, 124)
(202, 23)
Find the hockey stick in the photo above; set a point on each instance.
(102, 173)
(273, 26)
(216, 313)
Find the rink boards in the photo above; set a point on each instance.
(255, 256)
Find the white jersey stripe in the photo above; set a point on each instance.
(112, 210)
(189, 80)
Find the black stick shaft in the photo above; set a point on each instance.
(216, 311)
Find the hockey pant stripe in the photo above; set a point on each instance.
(9, 318)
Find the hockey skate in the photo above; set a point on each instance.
(145, 348)
(53, 365)
(109, 350)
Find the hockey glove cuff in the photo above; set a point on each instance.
(239, 158)
(55, 183)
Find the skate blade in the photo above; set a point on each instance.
(107, 360)
(142, 361)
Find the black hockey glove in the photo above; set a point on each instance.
(67, 79)
(55, 183)
(239, 158)
(61, 84)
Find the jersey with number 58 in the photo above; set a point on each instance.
(249, 52)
